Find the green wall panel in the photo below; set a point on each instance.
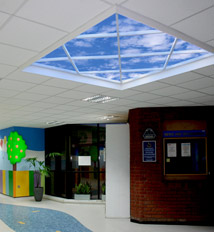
(11, 183)
(31, 183)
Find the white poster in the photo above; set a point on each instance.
(171, 150)
(185, 150)
(84, 160)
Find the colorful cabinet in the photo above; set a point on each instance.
(17, 183)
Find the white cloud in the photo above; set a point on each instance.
(131, 51)
(135, 75)
(107, 29)
(156, 59)
(82, 43)
(127, 24)
(182, 57)
(153, 41)
(183, 45)
(111, 64)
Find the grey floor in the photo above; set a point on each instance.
(92, 216)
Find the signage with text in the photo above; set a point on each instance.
(149, 151)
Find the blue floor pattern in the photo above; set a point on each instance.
(32, 219)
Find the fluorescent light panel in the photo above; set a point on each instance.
(99, 99)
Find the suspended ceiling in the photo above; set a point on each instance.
(31, 29)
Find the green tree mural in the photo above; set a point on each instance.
(16, 148)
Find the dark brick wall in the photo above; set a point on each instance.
(154, 199)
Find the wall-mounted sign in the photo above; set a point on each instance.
(84, 160)
(171, 150)
(149, 134)
(185, 150)
(184, 133)
(149, 151)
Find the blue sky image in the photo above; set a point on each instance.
(142, 50)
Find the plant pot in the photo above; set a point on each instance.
(38, 193)
(82, 196)
(103, 197)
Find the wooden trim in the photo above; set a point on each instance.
(185, 177)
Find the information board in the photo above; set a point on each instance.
(149, 151)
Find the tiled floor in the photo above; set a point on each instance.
(92, 216)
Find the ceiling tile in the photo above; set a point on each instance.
(10, 6)
(11, 106)
(57, 100)
(143, 97)
(121, 108)
(6, 69)
(15, 85)
(162, 100)
(27, 77)
(143, 104)
(185, 77)
(184, 103)
(67, 84)
(14, 56)
(31, 108)
(46, 90)
(66, 107)
(209, 90)
(203, 99)
(151, 86)
(198, 84)
(75, 94)
(207, 71)
(3, 17)
(73, 113)
(199, 25)
(211, 42)
(44, 105)
(29, 35)
(122, 102)
(18, 102)
(210, 103)
(103, 106)
(115, 1)
(86, 110)
(6, 93)
(31, 96)
(168, 91)
(80, 103)
(167, 11)
(92, 89)
(188, 95)
(62, 15)
(123, 93)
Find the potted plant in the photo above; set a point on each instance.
(82, 191)
(39, 170)
(103, 188)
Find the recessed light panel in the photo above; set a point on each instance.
(99, 99)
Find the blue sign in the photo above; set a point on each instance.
(149, 151)
(184, 133)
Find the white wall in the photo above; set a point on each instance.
(117, 171)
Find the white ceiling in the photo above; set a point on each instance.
(29, 29)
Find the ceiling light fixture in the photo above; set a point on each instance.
(99, 99)
(108, 117)
(55, 123)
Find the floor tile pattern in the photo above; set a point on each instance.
(25, 219)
